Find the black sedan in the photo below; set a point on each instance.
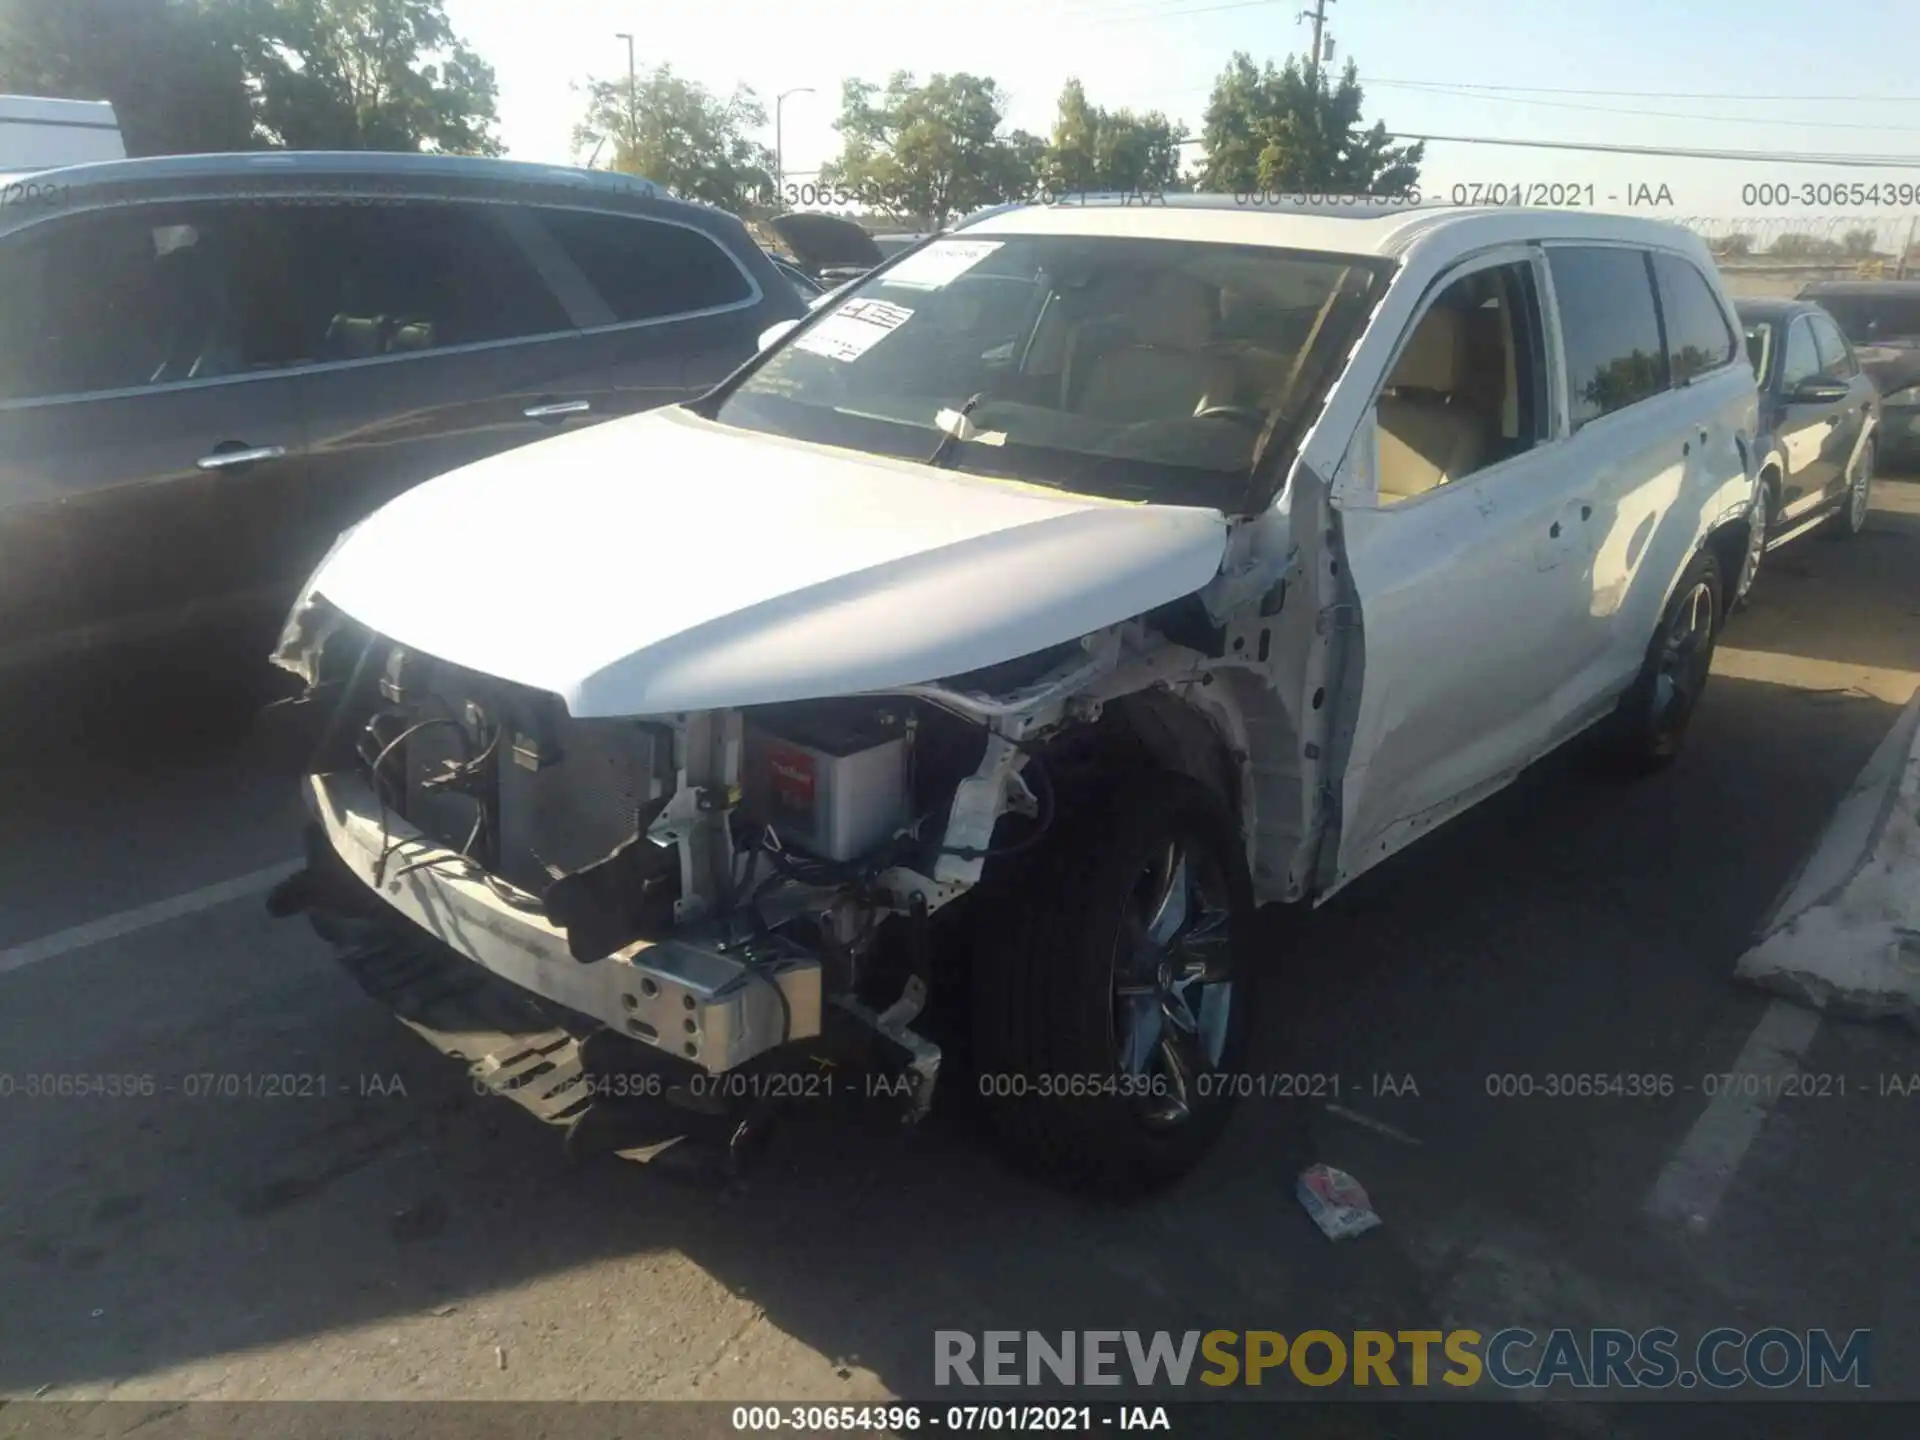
(1819, 420)
(1882, 320)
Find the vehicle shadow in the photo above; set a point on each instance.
(1570, 924)
(1854, 601)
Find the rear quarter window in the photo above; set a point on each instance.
(646, 269)
(1698, 336)
(1609, 328)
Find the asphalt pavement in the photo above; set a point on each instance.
(366, 1227)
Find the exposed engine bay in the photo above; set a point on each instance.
(718, 893)
(711, 885)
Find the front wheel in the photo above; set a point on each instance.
(1649, 728)
(1112, 991)
(1759, 532)
(1851, 518)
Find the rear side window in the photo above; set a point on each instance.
(1698, 337)
(645, 269)
(1609, 327)
(157, 295)
(399, 279)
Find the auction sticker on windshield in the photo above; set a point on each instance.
(852, 330)
(941, 263)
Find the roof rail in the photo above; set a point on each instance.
(1286, 201)
(368, 163)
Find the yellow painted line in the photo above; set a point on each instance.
(1801, 672)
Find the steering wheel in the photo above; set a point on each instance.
(1242, 414)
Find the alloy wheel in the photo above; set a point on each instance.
(1860, 488)
(1759, 529)
(1686, 655)
(1173, 982)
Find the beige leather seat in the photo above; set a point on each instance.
(1427, 433)
(1167, 371)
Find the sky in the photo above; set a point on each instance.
(1766, 75)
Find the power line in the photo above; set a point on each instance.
(1770, 157)
(1748, 98)
(1464, 92)
(1130, 14)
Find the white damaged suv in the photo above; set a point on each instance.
(957, 678)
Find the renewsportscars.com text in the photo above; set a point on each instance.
(1510, 1359)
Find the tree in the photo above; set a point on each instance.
(1858, 244)
(1626, 378)
(932, 150)
(1293, 129)
(1094, 149)
(1735, 244)
(170, 68)
(680, 135)
(366, 75)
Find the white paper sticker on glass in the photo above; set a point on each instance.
(940, 263)
(852, 330)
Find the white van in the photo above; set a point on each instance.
(1009, 629)
(42, 134)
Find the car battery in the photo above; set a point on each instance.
(829, 787)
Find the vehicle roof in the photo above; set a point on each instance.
(1363, 228)
(1902, 289)
(91, 114)
(1771, 307)
(347, 164)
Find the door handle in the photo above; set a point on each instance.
(558, 410)
(244, 455)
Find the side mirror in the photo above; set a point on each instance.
(774, 334)
(1818, 392)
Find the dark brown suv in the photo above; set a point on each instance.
(211, 365)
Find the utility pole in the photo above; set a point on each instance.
(1318, 15)
(633, 102)
(779, 148)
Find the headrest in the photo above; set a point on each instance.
(1177, 311)
(1432, 359)
(354, 337)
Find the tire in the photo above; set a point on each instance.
(1070, 992)
(1649, 729)
(1851, 518)
(1760, 529)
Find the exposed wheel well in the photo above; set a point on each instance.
(1729, 542)
(1729, 547)
(1154, 731)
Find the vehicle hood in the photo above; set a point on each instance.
(826, 241)
(665, 563)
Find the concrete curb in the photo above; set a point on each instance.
(1844, 937)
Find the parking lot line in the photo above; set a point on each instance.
(1691, 1186)
(128, 922)
(1801, 672)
